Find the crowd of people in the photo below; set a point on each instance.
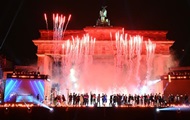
(102, 100)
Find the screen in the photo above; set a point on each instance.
(24, 98)
(17, 89)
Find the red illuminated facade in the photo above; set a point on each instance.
(105, 38)
(104, 50)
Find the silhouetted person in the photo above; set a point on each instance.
(98, 100)
(38, 97)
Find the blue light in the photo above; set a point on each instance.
(179, 108)
(9, 84)
(41, 87)
(51, 109)
(42, 104)
(24, 98)
(23, 87)
(157, 110)
(11, 89)
(33, 89)
(39, 91)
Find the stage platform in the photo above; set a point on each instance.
(91, 113)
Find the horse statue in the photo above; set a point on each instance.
(103, 21)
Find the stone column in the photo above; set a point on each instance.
(45, 67)
(41, 63)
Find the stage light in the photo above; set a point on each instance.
(29, 110)
(157, 110)
(169, 78)
(32, 76)
(152, 82)
(51, 110)
(13, 72)
(178, 110)
(6, 111)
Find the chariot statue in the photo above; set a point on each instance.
(103, 20)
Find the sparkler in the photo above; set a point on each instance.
(59, 26)
(67, 24)
(129, 51)
(45, 17)
(77, 55)
(150, 49)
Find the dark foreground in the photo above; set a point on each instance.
(87, 113)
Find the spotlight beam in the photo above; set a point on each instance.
(41, 104)
(26, 104)
(11, 25)
(180, 108)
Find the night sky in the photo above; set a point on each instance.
(20, 21)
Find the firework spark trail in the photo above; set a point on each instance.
(66, 25)
(129, 51)
(58, 25)
(135, 44)
(150, 50)
(45, 17)
(138, 44)
(78, 55)
(61, 26)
